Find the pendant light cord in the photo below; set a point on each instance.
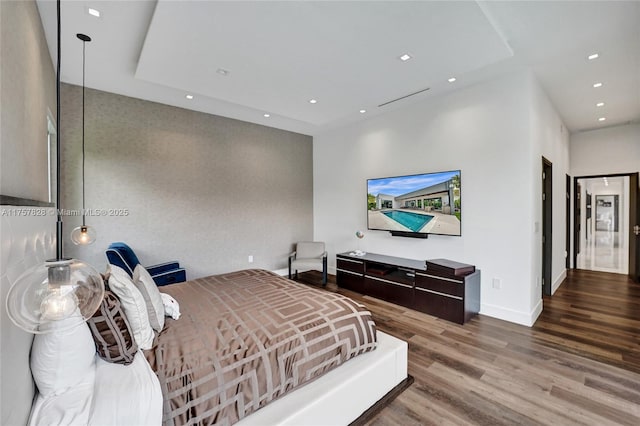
(59, 251)
(84, 46)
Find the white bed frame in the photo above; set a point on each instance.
(337, 398)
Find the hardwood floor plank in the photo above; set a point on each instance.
(431, 413)
(617, 391)
(596, 408)
(465, 404)
(444, 358)
(539, 402)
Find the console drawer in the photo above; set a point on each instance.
(448, 286)
(394, 292)
(350, 265)
(350, 280)
(443, 306)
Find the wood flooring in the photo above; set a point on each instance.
(579, 363)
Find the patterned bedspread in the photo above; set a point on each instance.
(248, 337)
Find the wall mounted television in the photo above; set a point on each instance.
(415, 205)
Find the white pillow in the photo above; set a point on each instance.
(134, 306)
(61, 359)
(171, 306)
(147, 287)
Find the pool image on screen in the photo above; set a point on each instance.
(427, 203)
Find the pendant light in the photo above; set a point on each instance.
(83, 235)
(61, 293)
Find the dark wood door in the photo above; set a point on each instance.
(547, 210)
(634, 234)
(577, 220)
(567, 242)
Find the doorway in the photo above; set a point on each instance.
(547, 196)
(602, 231)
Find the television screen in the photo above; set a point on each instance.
(427, 203)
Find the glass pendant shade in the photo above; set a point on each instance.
(83, 235)
(54, 291)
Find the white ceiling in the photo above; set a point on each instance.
(345, 54)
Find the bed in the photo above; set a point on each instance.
(332, 387)
(246, 338)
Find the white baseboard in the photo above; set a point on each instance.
(518, 317)
(558, 281)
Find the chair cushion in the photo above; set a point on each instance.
(309, 249)
(307, 264)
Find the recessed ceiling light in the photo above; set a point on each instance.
(451, 80)
(189, 97)
(600, 104)
(405, 57)
(94, 12)
(266, 115)
(362, 111)
(593, 56)
(596, 85)
(602, 118)
(312, 101)
(222, 71)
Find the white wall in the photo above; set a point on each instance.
(551, 140)
(484, 130)
(606, 151)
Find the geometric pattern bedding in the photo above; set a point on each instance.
(246, 338)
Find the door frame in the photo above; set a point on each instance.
(547, 225)
(634, 218)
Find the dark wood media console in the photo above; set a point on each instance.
(439, 287)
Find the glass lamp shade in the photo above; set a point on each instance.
(83, 235)
(46, 294)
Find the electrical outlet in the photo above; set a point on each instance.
(497, 283)
(250, 258)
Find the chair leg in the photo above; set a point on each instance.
(324, 271)
(289, 268)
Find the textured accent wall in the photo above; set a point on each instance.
(177, 184)
(27, 92)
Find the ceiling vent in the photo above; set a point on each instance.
(403, 97)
